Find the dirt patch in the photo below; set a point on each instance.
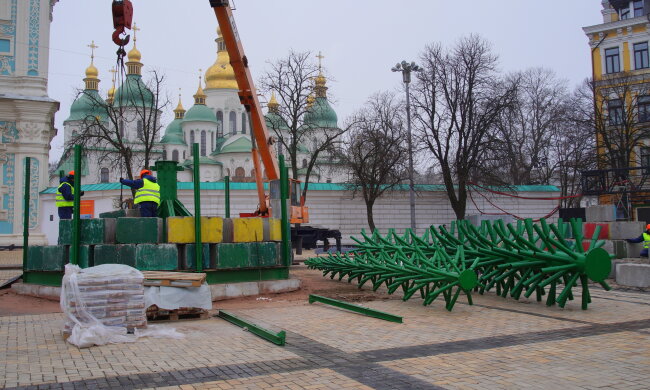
(15, 304)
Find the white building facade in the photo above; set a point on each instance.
(26, 113)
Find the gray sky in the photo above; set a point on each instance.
(360, 39)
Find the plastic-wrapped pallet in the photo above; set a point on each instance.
(103, 304)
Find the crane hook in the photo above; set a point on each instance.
(122, 18)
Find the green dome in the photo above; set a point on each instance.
(200, 112)
(203, 160)
(133, 93)
(88, 104)
(241, 145)
(321, 114)
(174, 133)
(275, 122)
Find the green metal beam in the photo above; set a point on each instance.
(76, 222)
(227, 185)
(356, 308)
(28, 166)
(197, 208)
(275, 338)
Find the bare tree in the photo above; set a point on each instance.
(292, 80)
(458, 99)
(524, 132)
(104, 130)
(620, 112)
(375, 151)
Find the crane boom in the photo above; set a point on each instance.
(247, 92)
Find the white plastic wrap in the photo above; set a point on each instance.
(102, 304)
(172, 298)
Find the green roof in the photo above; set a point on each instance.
(219, 185)
(174, 133)
(321, 115)
(217, 146)
(202, 160)
(66, 165)
(133, 93)
(87, 106)
(275, 121)
(200, 112)
(242, 144)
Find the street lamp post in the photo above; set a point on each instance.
(406, 69)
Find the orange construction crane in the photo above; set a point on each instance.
(262, 141)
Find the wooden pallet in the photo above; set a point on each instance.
(155, 314)
(173, 279)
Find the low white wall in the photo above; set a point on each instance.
(333, 209)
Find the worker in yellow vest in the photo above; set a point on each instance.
(147, 194)
(65, 196)
(645, 239)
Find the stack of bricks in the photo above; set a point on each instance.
(143, 243)
(114, 300)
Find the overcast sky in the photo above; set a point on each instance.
(360, 39)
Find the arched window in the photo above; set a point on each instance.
(191, 138)
(164, 157)
(304, 163)
(233, 123)
(204, 143)
(183, 155)
(219, 124)
(175, 155)
(240, 172)
(103, 175)
(253, 172)
(121, 126)
(243, 123)
(140, 129)
(212, 141)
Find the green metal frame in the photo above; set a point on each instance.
(28, 168)
(198, 266)
(286, 229)
(76, 222)
(275, 338)
(43, 278)
(226, 181)
(356, 308)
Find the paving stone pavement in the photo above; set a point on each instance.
(497, 343)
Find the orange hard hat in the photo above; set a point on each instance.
(145, 172)
(71, 173)
(647, 227)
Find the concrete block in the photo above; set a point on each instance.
(187, 255)
(278, 286)
(625, 230)
(620, 249)
(46, 258)
(634, 250)
(236, 290)
(272, 229)
(633, 275)
(248, 229)
(589, 228)
(114, 254)
(135, 213)
(602, 213)
(92, 231)
(235, 255)
(156, 257)
(615, 262)
(181, 230)
(37, 290)
(267, 254)
(139, 230)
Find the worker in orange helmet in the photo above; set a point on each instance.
(645, 239)
(147, 194)
(65, 196)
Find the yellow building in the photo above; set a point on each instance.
(621, 88)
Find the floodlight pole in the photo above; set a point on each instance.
(406, 68)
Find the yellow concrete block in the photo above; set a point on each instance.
(248, 229)
(180, 230)
(275, 229)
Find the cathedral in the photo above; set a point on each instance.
(216, 121)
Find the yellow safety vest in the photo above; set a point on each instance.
(60, 200)
(646, 240)
(150, 192)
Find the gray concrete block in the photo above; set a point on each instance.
(620, 249)
(625, 230)
(633, 275)
(602, 213)
(634, 250)
(612, 273)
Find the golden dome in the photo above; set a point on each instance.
(111, 92)
(310, 101)
(92, 72)
(221, 75)
(134, 55)
(273, 104)
(199, 96)
(320, 88)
